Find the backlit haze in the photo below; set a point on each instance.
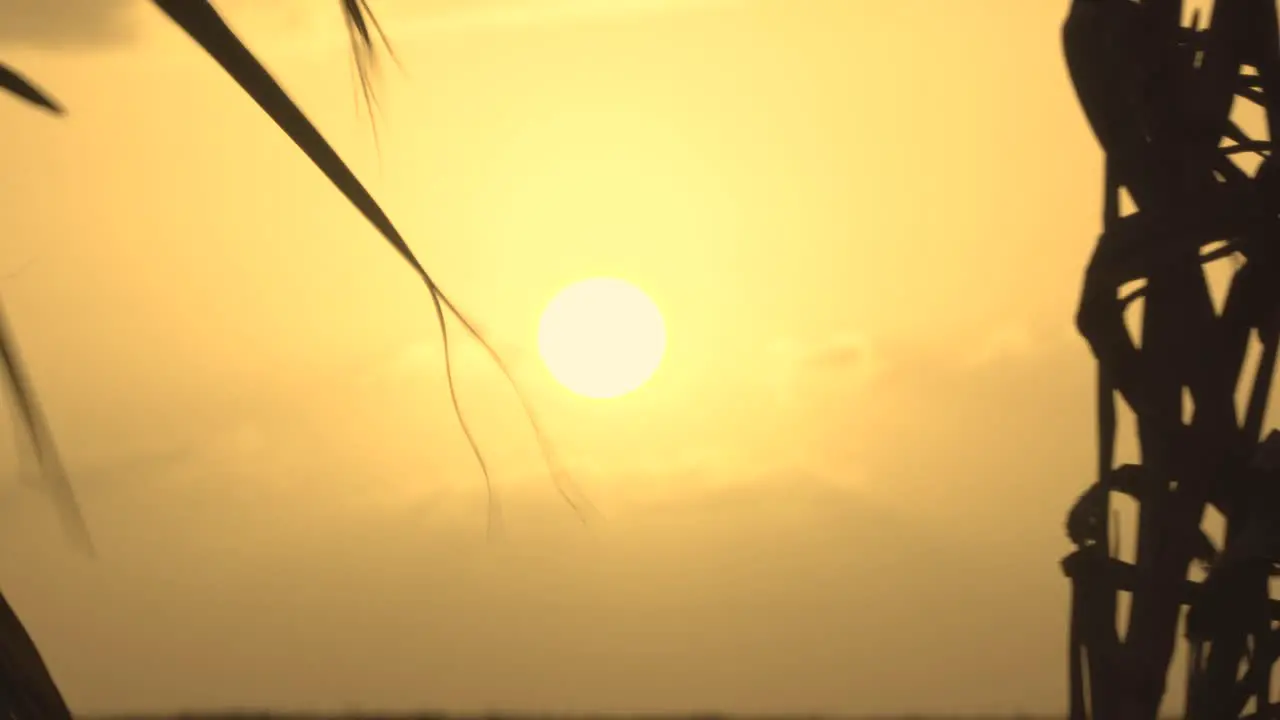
(865, 224)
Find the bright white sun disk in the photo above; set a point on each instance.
(602, 337)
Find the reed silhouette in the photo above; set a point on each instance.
(1159, 94)
(27, 691)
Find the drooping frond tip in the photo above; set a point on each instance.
(15, 83)
(363, 27)
(205, 26)
(366, 35)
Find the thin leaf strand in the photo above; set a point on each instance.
(201, 21)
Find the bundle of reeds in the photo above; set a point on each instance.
(1158, 93)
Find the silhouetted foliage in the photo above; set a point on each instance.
(23, 676)
(1159, 95)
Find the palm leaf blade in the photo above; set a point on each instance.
(15, 83)
(201, 21)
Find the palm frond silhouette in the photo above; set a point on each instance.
(27, 690)
(202, 22)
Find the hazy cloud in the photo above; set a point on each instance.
(57, 24)
(788, 562)
(799, 369)
(511, 12)
(402, 17)
(949, 507)
(1018, 339)
(79, 24)
(841, 352)
(844, 362)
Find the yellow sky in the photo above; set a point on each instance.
(865, 223)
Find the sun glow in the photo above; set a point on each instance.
(602, 337)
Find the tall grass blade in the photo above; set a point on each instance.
(201, 21)
(37, 428)
(18, 85)
(29, 472)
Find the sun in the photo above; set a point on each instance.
(602, 337)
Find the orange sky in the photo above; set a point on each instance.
(843, 491)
